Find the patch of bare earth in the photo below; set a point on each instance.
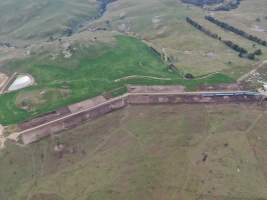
(2, 137)
(3, 79)
(152, 89)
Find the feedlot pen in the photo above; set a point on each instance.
(39, 128)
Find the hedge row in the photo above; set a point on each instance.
(243, 53)
(237, 31)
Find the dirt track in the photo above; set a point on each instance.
(160, 78)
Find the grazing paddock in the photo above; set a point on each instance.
(146, 152)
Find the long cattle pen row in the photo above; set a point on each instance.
(72, 116)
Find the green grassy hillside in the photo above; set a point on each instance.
(90, 72)
(162, 22)
(40, 19)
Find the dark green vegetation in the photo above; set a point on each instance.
(217, 5)
(90, 72)
(237, 31)
(243, 53)
(146, 152)
(202, 2)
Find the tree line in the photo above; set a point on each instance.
(215, 5)
(169, 61)
(237, 31)
(233, 4)
(202, 29)
(243, 53)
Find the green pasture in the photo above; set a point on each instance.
(90, 72)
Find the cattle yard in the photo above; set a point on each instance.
(73, 115)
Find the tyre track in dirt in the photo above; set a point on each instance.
(161, 78)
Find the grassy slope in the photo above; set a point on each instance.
(90, 72)
(38, 19)
(162, 22)
(147, 153)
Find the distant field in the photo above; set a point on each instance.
(146, 152)
(160, 22)
(163, 24)
(184, 152)
(90, 72)
(39, 19)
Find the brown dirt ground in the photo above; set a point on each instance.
(3, 79)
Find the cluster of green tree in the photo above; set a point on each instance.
(236, 31)
(235, 47)
(233, 4)
(243, 53)
(215, 5)
(155, 51)
(5, 44)
(103, 6)
(202, 2)
(170, 66)
(202, 29)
